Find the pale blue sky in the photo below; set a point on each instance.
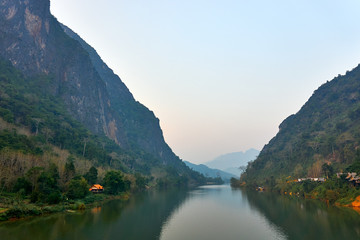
(221, 75)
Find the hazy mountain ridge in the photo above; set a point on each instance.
(231, 162)
(210, 172)
(325, 130)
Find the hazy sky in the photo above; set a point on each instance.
(221, 75)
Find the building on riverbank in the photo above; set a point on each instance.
(321, 179)
(96, 188)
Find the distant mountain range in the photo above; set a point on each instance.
(209, 172)
(231, 162)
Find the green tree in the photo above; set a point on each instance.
(327, 170)
(140, 181)
(114, 182)
(48, 189)
(78, 188)
(91, 175)
(355, 166)
(308, 186)
(69, 169)
(54, 171)
(331, 195)
(22, 183)
(33, 174)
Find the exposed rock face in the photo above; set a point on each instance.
(35, 42)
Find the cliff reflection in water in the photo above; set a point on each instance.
(305, 219)
(217, 212)
(140, 218)
(205, 213)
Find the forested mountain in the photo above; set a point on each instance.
(325, 132)
(58, 97)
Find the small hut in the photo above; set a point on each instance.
(96, 188)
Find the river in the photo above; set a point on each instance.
(209, 212)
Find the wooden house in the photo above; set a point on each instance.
(96, 188)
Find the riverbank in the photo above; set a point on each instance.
(334, 191)
(14, 209)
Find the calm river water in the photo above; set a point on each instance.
(211, 212)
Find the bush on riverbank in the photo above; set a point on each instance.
(78, 205)
(42, 191)
(20, 211)
(25, 209)
(334, 190)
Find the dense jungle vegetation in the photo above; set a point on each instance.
(324, 135)
(47, 157)
(325, 130)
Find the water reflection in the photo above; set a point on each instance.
(211, 212)
(140, 218)
(306, 219)
(215, 212)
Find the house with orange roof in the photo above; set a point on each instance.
(96, 188)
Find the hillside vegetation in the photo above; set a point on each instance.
(56, 88)
(325, 131)
(37, 131)
(47, 157)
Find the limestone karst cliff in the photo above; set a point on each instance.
(38, 45)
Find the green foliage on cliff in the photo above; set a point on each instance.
(115, 183)
(325, 131)
(63, 95)
(28, 104)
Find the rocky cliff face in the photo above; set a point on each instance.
(37, 44)
(34, 42)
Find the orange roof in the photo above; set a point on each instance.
(356, 202)
(96, 186)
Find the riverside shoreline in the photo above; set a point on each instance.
(351, 200)
(24, 209)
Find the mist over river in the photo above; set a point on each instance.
(208, 212)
